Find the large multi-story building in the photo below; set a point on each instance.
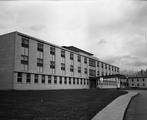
(29, 63)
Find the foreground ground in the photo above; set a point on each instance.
(55, 104)
(137, 109)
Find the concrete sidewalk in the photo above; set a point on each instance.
(116, 109)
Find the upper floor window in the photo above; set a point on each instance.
(24, 59)
(79, 58)
(85, 70)
(62, 66)
(109, 67)
(71, 68)
(105, 66)
(62, 53)
(71, 56)
(40, 47)
(85, 60)
(79, 69)
(25, 42)
(52, 64)
(52, 50)
(97, 63)
(92, 72)
(92, 62)
(39, 62)
(101, 65)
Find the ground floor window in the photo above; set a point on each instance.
(49, 79)
(28, 78)
(36, 78)
(60, 80)
(43, 79)
(65, 80)
(19, 77)
(55, 79)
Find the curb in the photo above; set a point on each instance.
(116, 109)
(128, 105)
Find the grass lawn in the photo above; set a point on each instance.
(54, 104)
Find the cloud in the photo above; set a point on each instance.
(114, 30)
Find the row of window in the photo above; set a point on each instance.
(51, 79)
(138, 85)
(92, 62)
(138, 80)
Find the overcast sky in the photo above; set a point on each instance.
(114, 30)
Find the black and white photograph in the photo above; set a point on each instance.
(73, 59)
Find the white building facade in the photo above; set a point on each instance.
(28, 63)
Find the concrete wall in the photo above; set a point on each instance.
(6, 60)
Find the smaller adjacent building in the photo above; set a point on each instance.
(137, 82)
(133, 82)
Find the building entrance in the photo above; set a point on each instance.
(92, 83)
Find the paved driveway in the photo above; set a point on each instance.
(138, 107)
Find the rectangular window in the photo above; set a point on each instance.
(98, 73)
(19, 77)
(73, 80)
(101, 65)
(109, 67)
(60, 80)
(79, 58)
(40, 47)
(81, 81)
(97, 63)
(77, 80)
(65, 80)
(39, 62)
(79, 69)
(52, 64)
(49, 79)
(71, 68)
(69, 80)
(71, 56)
(63, 53)
(24, 59)
(92, 72)
(28, 78)
(25, 42)
(85, 60)
(142, 79)
(52, 50)
(92, 63)
(62, 66)
(43, 79)
(55, 79)
(105, 66)
(85, 70)
(143, 84)
(36, 78)
(84, 81)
